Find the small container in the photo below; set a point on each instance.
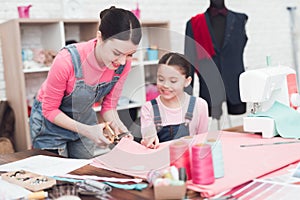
(169, 191)
(24, 11)
(152, 54)
(137, 11)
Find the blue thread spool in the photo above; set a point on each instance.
(217, 157)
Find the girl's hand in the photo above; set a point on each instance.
(150, 142)
(129, 136)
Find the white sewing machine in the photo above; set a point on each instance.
(262, 87)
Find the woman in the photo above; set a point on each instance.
(62, 118)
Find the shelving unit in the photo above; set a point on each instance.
(22, 84)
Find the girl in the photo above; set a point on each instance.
(62, 119)
(174, 113)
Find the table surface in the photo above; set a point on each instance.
(86, 170)
(147, 193)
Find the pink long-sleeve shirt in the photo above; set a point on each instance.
(173, 116)
(61, 79)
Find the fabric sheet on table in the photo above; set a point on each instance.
(241, 164)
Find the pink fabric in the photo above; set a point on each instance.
(169, 116)
(240, 164)
(61, 79)
(244, 164)
(132, 158)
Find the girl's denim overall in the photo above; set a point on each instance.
(170, 132)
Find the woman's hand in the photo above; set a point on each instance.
(118, 131)
(150, 142)
(95, 133)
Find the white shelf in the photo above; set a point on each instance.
(123, 107)
(53, 34)
(134, 64)
(131, 105)
(145, 62)
(150, 62)
(34, 70)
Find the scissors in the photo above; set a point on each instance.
(112, 136)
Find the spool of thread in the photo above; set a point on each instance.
(268, 60)
(98, 185)
(182, 174)
(180, 156)
(217, 157)
(152, 176)
(188, 139)
(202, 165)
(174, 172)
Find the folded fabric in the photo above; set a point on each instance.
(138, 186)
(130, 156)
(286, 119)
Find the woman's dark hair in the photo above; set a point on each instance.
(178, 60)
(120, 24)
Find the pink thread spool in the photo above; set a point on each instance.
(180, 156)
(24, 11)
(202, 165)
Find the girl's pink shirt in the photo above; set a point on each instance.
(173, 116)
(61, 80)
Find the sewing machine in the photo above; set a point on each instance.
(261, 88)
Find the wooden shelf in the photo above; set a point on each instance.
(22, 84)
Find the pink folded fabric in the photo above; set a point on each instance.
(132, 158)
(241, 164)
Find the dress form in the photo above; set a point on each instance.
(228, 36)
(218, 21)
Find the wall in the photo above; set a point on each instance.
(268, 26)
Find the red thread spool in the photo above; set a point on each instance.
(202, 165)
(180, 156)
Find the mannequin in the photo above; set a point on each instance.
(218, 21)
(225, 31)
(217, 3)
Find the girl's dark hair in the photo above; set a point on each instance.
(177, 59)
(120, 24)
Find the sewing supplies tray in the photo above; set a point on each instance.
(29, 180)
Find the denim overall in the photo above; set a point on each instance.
(171, 132)
(78, 106)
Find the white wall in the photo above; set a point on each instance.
(268, 27)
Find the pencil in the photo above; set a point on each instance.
(37, 195)
(266, 144)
